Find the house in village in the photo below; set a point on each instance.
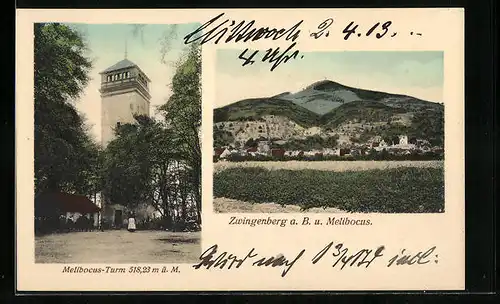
(263, 147)
(403, 139)
(252, 150)
(279, 153)
(345, 152)
(404, 146)
(331, 152)
(226, 153)
(309, 153)
(218, 151)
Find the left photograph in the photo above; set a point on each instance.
(117, 117)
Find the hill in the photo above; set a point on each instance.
(323, 96)
(327, 109)
(359, 111)
(256, 108)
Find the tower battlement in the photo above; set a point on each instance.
(124, 93)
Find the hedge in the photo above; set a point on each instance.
(399, 190)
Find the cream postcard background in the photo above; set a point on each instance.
(442, 30)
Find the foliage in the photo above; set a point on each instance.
(251, 143)
(255, 109)
(362, 111)
(429, 124)
(126, 170)
(311, 143)
(182, 113)
(401, 190)
(143, 164)
(222, 138)
(426, 124)
(159, 161)
(370, 155)
(66, 157)
(61, 67)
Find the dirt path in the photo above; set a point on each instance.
(118, 246)
(226, 205)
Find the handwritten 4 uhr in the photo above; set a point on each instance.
(219, 29)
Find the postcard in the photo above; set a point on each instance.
(240, 150)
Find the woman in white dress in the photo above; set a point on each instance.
(131, 223)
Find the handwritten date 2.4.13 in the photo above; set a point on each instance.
(226, 30)
(378, 30)
(276, 56)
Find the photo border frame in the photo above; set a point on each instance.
(481, 128)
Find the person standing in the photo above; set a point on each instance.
(131, 223)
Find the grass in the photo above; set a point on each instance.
(398, 190)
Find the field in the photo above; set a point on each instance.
(328, 165)
(227, 205)
(386, 187)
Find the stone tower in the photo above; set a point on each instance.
(124, 93)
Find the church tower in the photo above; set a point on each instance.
(124, 93)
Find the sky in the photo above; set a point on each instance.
(106, 43)
(418, 74)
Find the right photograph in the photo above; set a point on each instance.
(332, 132)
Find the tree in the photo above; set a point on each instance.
(144, 165)
(251, 143)
(429, 125)
(221, 137)
(182, 112)
(159, 162)
(125, 171)
(65, 155)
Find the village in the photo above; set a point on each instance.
(400, 146)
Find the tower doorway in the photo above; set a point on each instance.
(118, 219)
